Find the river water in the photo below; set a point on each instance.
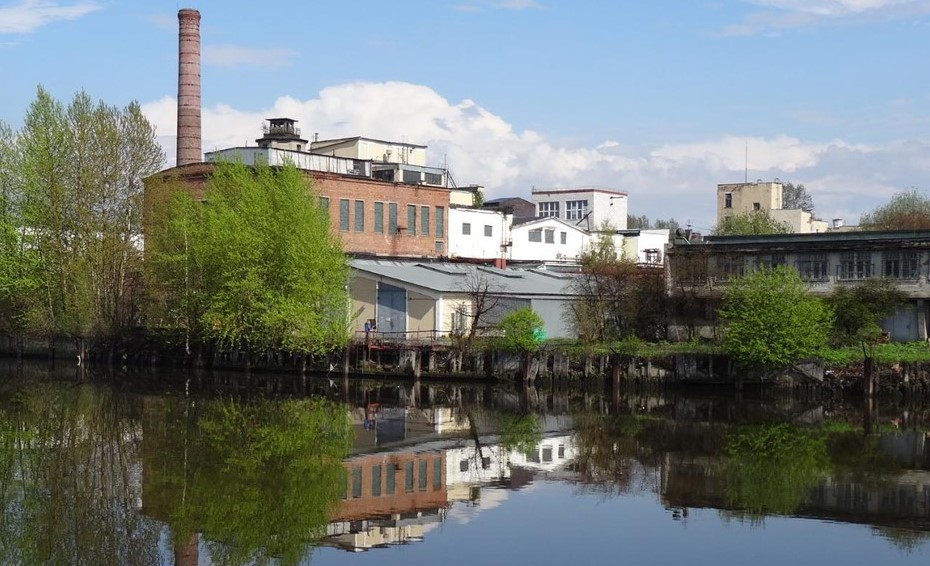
(105, 468)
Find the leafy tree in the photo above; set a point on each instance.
(771, 469)
(616, 299)
(637, 222)
(520, 331)
(859, 309)
(643, 223)
(519, 431)
(907, 210)
(754, 223)
(796, 196)
(255, 267)
(771, 319)
(73, 188)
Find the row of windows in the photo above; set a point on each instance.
(574, 209)
(488, 229)
(539, 234)
(384, 477)
(416, 214)
(898, 264)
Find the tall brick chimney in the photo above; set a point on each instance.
(189, 145)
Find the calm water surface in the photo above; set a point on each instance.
(195, 469)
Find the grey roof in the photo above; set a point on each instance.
(454, 277)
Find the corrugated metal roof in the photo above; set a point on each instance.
(455, 277)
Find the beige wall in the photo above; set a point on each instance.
(421, 313)
(745, 196)
(363, 293)
(801, 222)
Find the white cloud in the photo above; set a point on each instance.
(27, 16)
(481, 5)
(229, 55)
(787, 14)
(670, 180)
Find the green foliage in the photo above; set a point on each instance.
(753, 223)
(519, 431)
(907, 210)
(71, 184)
(772, 320)
(519, 331)
(859, 309)
(255, 267)
(770, 469)
(275, 492)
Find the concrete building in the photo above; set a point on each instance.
(476, 233)
(824, 261)
(743, 198)
(589, 208)
(546, 239)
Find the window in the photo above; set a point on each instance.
(392, 218)
(550, 236)
(324, 205)
(756, 206)
(575, 209)
(901, 264)
(563, 238)
(854, 266)
(433, 178)
(440, 221)
(379, 217)
(411, 220)
(728, 200)
(437, 473)
(547, 209)
(812, 267)
(729, 266)
(421, 477)
(463, 465)
(536, 235)
(356, 482)
(488, 230)
(344, 214)
(359, 216)
(561, 451)
(424, 221)
(439, 246)
(389, 479)
(770, 261)
(547, 454)
(411, 177)
(408, 476)
(376, 480)
(466, 229)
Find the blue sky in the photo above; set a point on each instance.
(659, 99)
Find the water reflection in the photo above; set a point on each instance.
(129, 470)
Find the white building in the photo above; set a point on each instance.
(478, 234)
(588, 208)
(546, 239)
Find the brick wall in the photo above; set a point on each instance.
(359, 235)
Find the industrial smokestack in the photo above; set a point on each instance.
(189, 150)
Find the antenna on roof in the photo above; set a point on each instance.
(746, 175)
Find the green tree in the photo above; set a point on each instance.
(771, 320)
(255, 267)
(520, 331)
(859, 309)
(76, 172)
(796, 196)
(907, 210)
(753, 223)
(771, 469)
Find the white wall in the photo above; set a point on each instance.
(634, 247)
(576, 241)
(477, 245)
